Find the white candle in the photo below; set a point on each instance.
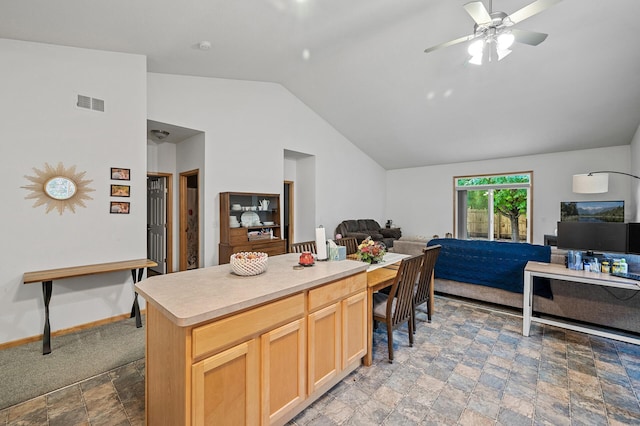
(321, 244)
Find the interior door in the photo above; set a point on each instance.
(157, 222)
(189, 221)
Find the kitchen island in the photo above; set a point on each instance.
(226, 349)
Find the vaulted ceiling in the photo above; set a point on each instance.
(360, 65)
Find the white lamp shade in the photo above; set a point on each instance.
(591, 183)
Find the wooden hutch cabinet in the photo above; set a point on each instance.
(250, 222)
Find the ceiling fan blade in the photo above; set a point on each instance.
(478, 12)
(450, 43)
(528, 37)
(530, 10)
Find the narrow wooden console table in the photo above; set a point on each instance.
(46, 277)
(560, 272)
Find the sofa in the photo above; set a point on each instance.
(410, 244)
(361, 229)
(480, 270)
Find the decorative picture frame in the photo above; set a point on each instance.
(119, 207)
(118, 173)
(120, 191)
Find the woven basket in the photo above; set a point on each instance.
(249, 263)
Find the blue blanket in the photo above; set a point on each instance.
(490, 263)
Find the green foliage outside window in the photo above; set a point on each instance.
(511, 203)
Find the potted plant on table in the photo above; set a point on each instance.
(371, 251)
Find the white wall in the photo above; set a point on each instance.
(635, 170)
(420, 200)
(301, 169)
(41, 124)
(247, 126)
(161, 158)
(190, 154)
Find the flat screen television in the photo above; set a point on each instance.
(593, 236)
(592, 211)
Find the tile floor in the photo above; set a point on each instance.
(470, 366)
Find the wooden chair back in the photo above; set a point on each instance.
(423, 287)
(304, 246)
(351, 243)
(402, 289)
(397, 307)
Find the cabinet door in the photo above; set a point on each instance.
(354, 328)
(324, 345)
(283, 370)
(226, 387)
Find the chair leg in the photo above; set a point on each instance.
(411, 331)
(413, 317)
(429, 310)
(390, 342)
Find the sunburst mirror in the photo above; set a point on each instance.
(58, 188)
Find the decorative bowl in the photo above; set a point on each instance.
(249, 263)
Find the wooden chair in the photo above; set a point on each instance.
(396, 308)
(304, 246)
(423, 286)
(351, 243)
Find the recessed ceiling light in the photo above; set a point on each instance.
(204, 45)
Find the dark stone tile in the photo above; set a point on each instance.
(519, 389)
(581, 416)
(587, 368)
(579, 401)
(523, 360)
(628, 349)
(96, 381)
(73, 416)
(461, 382)
(31, 412)
(492, 381)
(321, 420)
(548, 414)
(557, 378)
(510, 417)
(620, 396)
(611, 378)
(497, 371)
(447, 408)
(412, 408)
(623, 416)
(484, 406)
(439, 373)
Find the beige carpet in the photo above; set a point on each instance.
(25, 373)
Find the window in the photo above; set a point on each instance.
(494, 207)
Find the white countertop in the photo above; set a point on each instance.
(199, 295)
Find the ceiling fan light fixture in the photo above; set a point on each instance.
(475, 48)
(505, 40)
(503, 53)
(476, 60)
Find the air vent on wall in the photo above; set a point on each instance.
(87, 102)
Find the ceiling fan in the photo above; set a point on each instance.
(492, 31)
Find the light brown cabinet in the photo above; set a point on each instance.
(284, 365)
(324, 346)
(262, 365)
(337, 329)
(249, 222)
(226, 387)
